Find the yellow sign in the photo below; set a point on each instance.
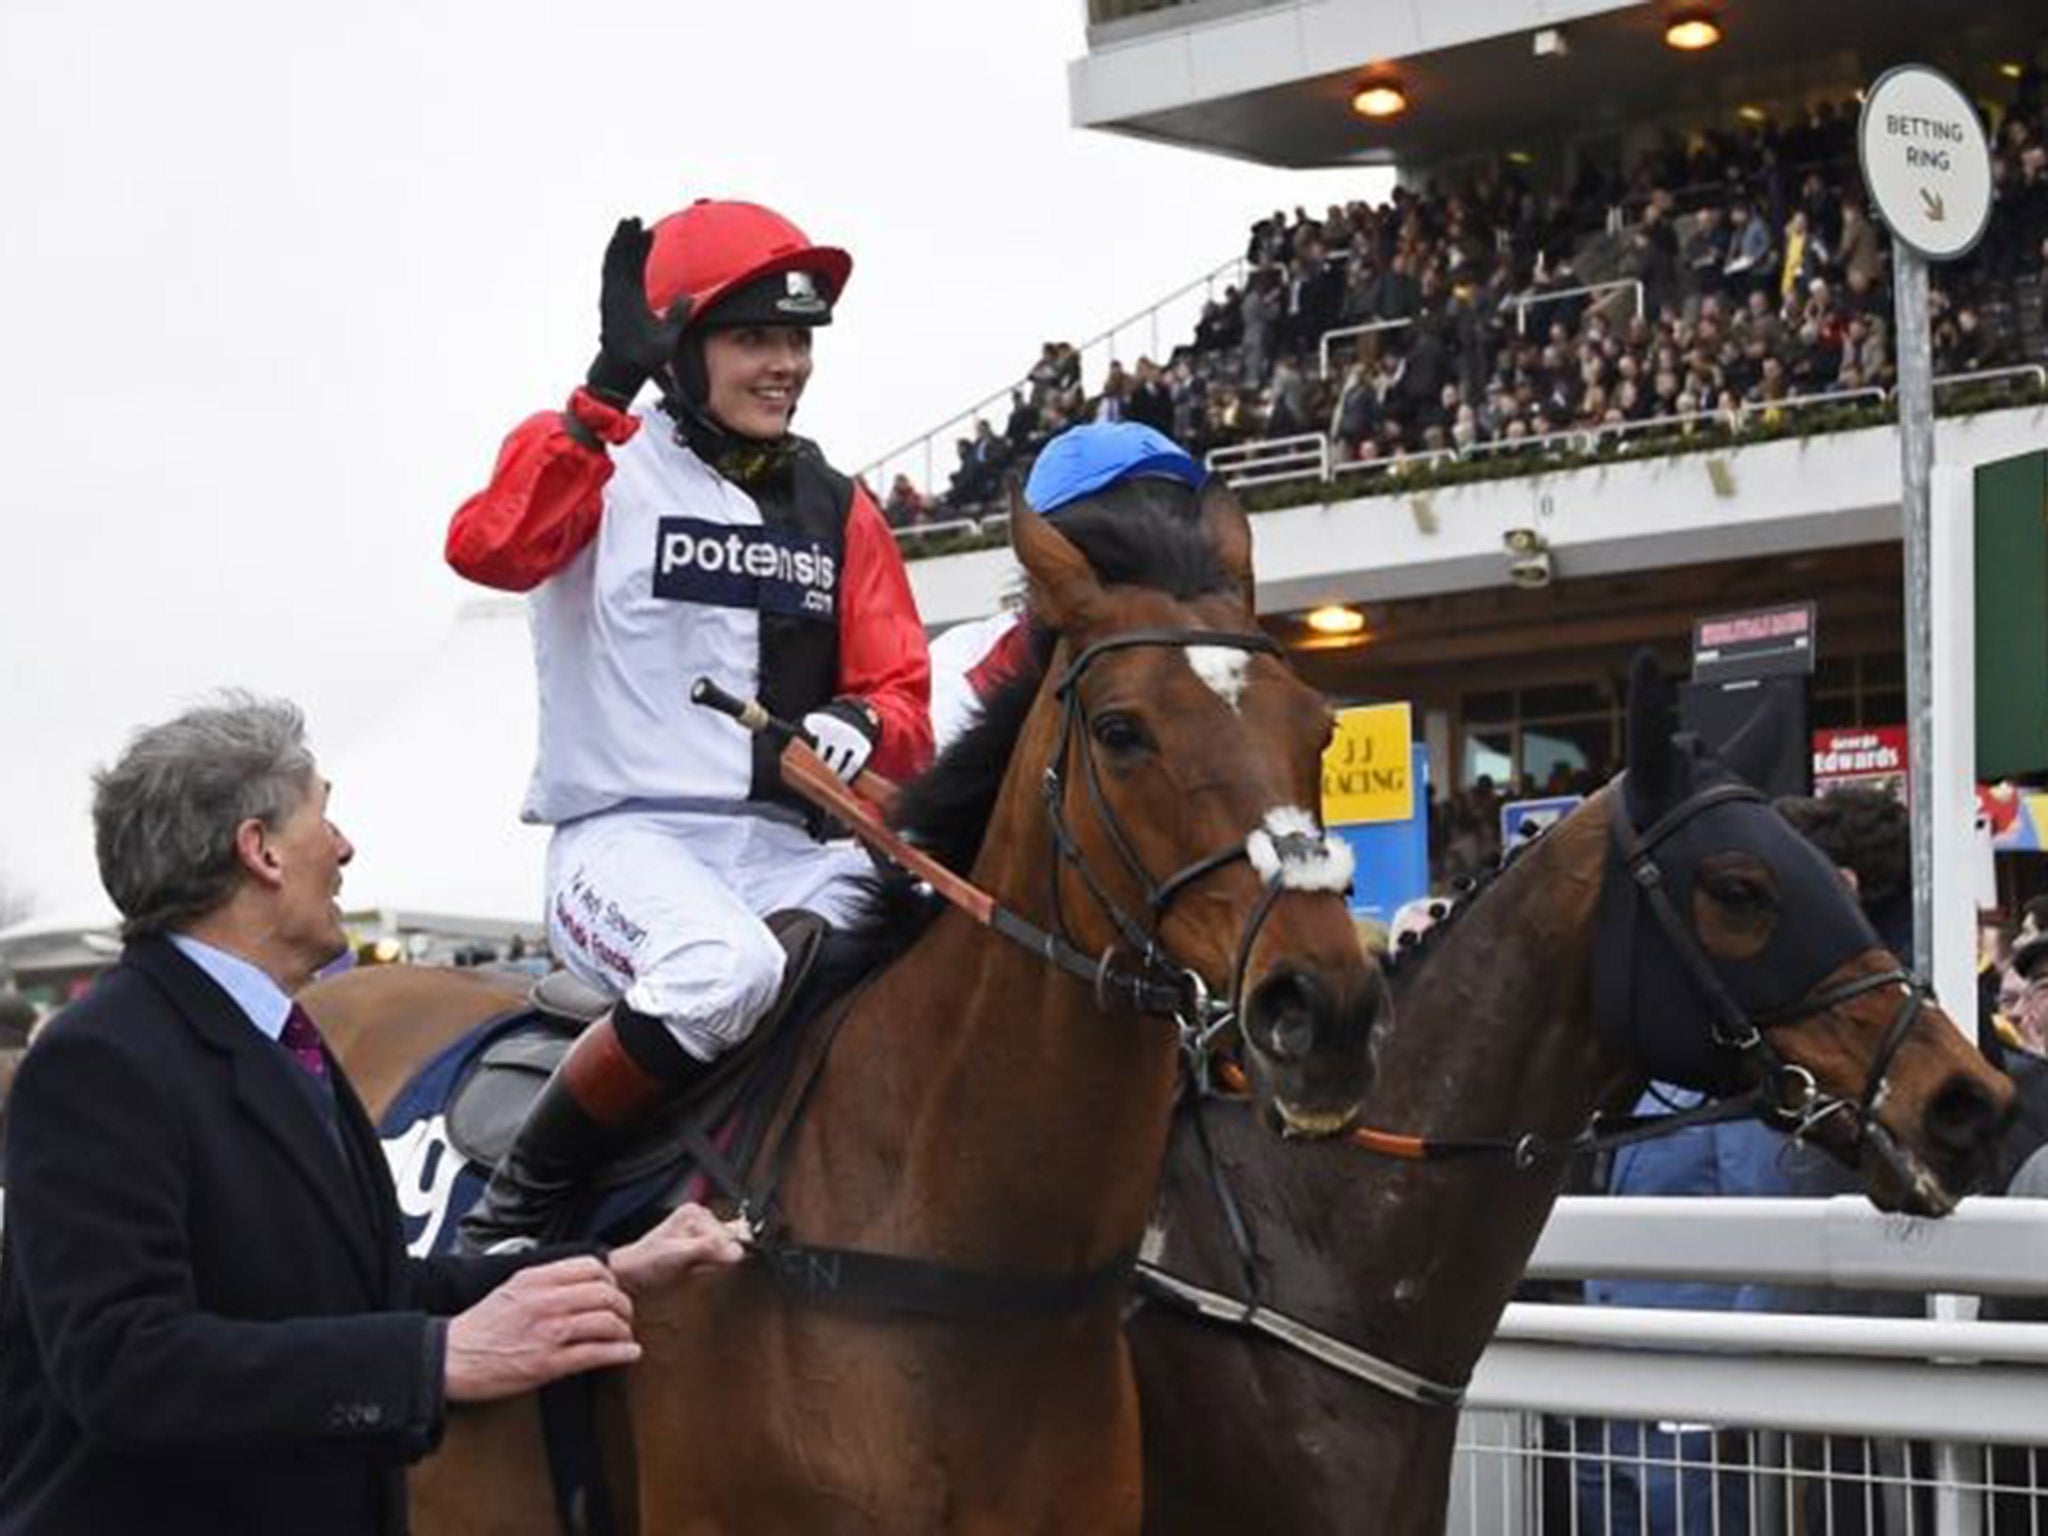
(1366, 770)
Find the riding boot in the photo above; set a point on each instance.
(599, 1095)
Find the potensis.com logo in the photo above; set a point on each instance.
(765, 569)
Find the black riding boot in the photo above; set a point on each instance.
(599, 1095)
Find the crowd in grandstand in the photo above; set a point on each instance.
(1763, 277)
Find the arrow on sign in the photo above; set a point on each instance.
(1932, 204)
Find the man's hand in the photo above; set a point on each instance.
(634, 343)
(843, 735)
(546, 1322)
(690, 1237)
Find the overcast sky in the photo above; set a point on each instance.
(276, 279)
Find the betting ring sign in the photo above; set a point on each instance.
(1925, 161)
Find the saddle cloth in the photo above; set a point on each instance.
(449, 1126)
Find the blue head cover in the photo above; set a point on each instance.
(1086, 459)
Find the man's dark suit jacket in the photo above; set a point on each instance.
(207, 1320)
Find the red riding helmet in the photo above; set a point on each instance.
(711, 248)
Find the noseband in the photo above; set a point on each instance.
(1199, 1016)
(1789, 1093)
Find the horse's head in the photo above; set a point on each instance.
(1181, 773)
(1735, 956)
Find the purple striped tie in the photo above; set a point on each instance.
(302, 1038)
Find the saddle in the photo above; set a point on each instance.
(491, 1099)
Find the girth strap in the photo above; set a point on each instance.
(889, 1283)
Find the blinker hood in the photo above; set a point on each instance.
(1649, 1001)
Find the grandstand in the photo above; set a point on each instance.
(1626, 307)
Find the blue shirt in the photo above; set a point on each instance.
(260, 998)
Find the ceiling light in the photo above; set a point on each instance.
(2012, 69)
(1751, 113)
(1691, 30)
(1380, 99)
(1335, 619)
(1520, 157)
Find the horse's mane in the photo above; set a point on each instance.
(1141, 533)
(1417, 949)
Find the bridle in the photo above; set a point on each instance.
(1200, 1017)
(1785, 1092)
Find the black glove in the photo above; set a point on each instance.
(633, 343)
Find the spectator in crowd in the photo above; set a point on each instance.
(211, 1323)
(1020, 431)
(1150, 402)
(2020, 1050)
(1865, 835)
(906, 506)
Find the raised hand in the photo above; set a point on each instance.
(634, 343)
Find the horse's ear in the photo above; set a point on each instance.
(1652, 722)
(1063, 588)
(1230, 534)
(1752, 752)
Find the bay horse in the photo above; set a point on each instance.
(1557, 987)
(984, 1116)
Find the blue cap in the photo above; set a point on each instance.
(1086, 459)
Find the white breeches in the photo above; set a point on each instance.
(664, 909)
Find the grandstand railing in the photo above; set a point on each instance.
(1406, 464)
(1572, 438)
(1522, 303)
(1294, 459)
(1271, 460)
(2034, 373)
(1345, 332)
(916, 457)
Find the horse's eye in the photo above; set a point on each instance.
(1739, 893)
(1120, 733)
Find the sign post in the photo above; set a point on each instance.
(1928, 169)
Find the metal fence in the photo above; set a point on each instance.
(1531, 1475)
(1593, 1421)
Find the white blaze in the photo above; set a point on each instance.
(1221, 667)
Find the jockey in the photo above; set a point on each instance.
(971, 660)
(698, 538)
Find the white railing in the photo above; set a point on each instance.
(1989, 1247)
(2032, 371)
(1405, 464)
(1297, 462)
(1734, 1393)
(1571, 439)
(1345, 332)
(1271, 460)
(1522, 303)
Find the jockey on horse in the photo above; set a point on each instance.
(715, 543)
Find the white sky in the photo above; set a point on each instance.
(276, 279)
